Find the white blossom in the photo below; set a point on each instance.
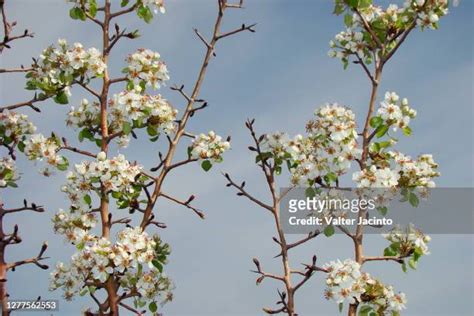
(58, 67)
(210, 146)
(409, 239)
(415, 173)
(14, 126)
(347, 284)
(374, 177)
(132, 260)
(8, 172)
(38, 147)
(146, 67)
(111, 175)
(127, 107)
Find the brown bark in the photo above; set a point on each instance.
(3, 274)
(111, 284)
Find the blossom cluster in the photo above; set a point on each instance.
(117, 176)
(75, 224)
(328, 149)
(282, 146)
(58, 68)
(135, 260)
(333, 134)
(406, 173)
(375, 177)
(208, 147)
(38, 147)
(349, 42)
(415, 173)
(384, 23)
(431, 11)
(8, 172)
(127, 110)
(393, 115)
(346, 283)
(146, 69)
(14, 127)
(406, 242)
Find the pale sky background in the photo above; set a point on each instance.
(277, 75)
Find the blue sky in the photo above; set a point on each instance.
(277, 75)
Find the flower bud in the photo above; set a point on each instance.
(101, 156)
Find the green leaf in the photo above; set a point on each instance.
(375, 147)
(353, 3)
(383, 210)
(404, 267)
(407, 131)
(330, 177)
(158, 265)
(329, 231)
(92, 289)
(64, 165)
(86, 133)
(124, 3)
(61, 98)
(348, 20)
(385, 144)
(206, 165)
(278, 170)
(12, 184)
(87, 199)
(77, 13)
(310, 192)
(92, 8)
(389, 252)
(152, 307)
(413, 199)
(151, 130)
(339, 7)
(345, 63)
(21, 146)
(412, 263)
(130, 85)
(142, 85)
(341, 306)
(381, 131)
(364, 3)
(417, 254)
(126, 128)
(366, 310)
(145, 14)
(263, 156)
